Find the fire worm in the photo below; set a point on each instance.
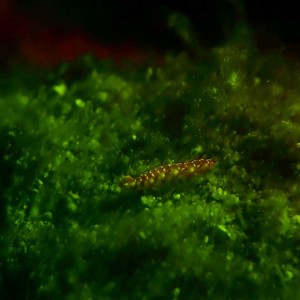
(168, 172)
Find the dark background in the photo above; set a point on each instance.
(45, 32)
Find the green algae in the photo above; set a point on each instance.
(69, 231)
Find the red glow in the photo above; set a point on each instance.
(28, 41)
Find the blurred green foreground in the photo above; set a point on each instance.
(68, 230)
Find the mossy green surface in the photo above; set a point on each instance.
(69, 231)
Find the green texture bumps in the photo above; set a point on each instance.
(71, 232)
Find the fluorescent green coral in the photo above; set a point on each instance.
(71, 232)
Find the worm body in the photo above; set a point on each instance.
(170, 171)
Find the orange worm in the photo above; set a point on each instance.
(170, 171)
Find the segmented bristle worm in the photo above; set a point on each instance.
(170, 171)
